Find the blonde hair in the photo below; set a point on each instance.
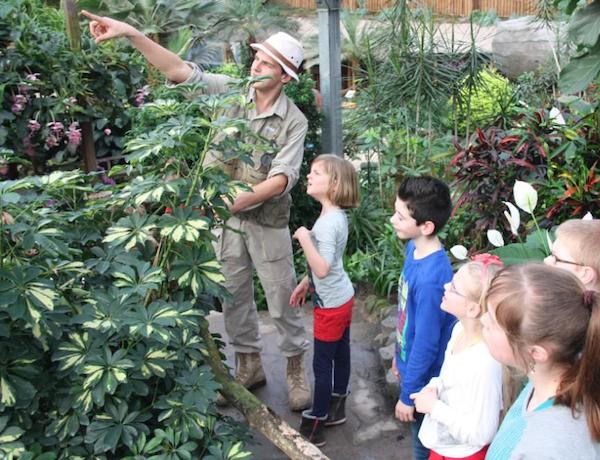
(583, 237)
(482, 276)
(343, 180)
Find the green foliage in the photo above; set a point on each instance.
(558, 154)
(483, 104)
(100, 355)
(232, 69)
(47, 91)
(584, 32)
(305, 209)
(381, 264)
(533, 249)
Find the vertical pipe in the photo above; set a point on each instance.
(330, 74)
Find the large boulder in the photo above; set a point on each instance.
(522, 45)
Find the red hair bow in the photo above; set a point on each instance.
(487, 259)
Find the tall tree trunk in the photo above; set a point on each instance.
(87, 133)
(258, 415)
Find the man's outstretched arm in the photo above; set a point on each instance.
(172, 66)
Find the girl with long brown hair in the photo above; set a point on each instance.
(543, 321)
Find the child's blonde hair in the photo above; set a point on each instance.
(537, 304)
(583, 237)
(481, 268)
(343, 180)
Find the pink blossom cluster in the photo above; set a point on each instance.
(19, 102)
(140, 95)
(74, 135)
(56, 129)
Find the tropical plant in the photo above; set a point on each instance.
(534, 248)
(249, 20)
(490, 100)
(584, 33)
(99, 285)
(48, 91)
(484, 174)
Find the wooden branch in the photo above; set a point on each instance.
(258, 415)
(72, 23)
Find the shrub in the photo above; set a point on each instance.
(492, 98)
(47, 90)
(103, 290)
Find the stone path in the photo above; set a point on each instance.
(371, 432)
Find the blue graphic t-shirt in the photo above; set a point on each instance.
(423, 329)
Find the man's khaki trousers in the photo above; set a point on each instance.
(241, 247)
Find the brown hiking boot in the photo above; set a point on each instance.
(298, 389)
(248, 371)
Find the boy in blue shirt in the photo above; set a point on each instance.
(422, 208)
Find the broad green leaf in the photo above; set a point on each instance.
(10, 434)
(584, 26)
(579, 73)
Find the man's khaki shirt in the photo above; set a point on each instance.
(284, 125)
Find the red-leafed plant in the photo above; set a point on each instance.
(581, 194)
(485, 172)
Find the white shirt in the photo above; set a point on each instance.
(465, 419)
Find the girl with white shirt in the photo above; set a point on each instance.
(463, 404)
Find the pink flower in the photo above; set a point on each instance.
(23, 88)
(140, 95)
(34, 126)
(19, 102)
(107, 131)
(56, 128)
(32, 77)
(51, 141)
(74, 134)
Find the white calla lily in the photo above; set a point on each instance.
(588, 216)
(495, 237)
(459, 251)
(514, 218)
(525, 196)
(557, 116)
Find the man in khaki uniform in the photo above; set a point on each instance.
(262, 215)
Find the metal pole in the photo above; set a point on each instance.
(330, 72)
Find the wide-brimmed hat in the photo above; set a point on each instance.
(285, 49)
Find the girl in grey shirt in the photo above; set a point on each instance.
(332, 181)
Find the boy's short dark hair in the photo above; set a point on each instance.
(427, 198)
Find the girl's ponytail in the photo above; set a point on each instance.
(586, 388)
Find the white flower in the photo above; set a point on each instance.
(495, 237)
(514, 218)
(525, 196)
(231, 131)
(459, 251)
(588, 216)
(556, 116)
